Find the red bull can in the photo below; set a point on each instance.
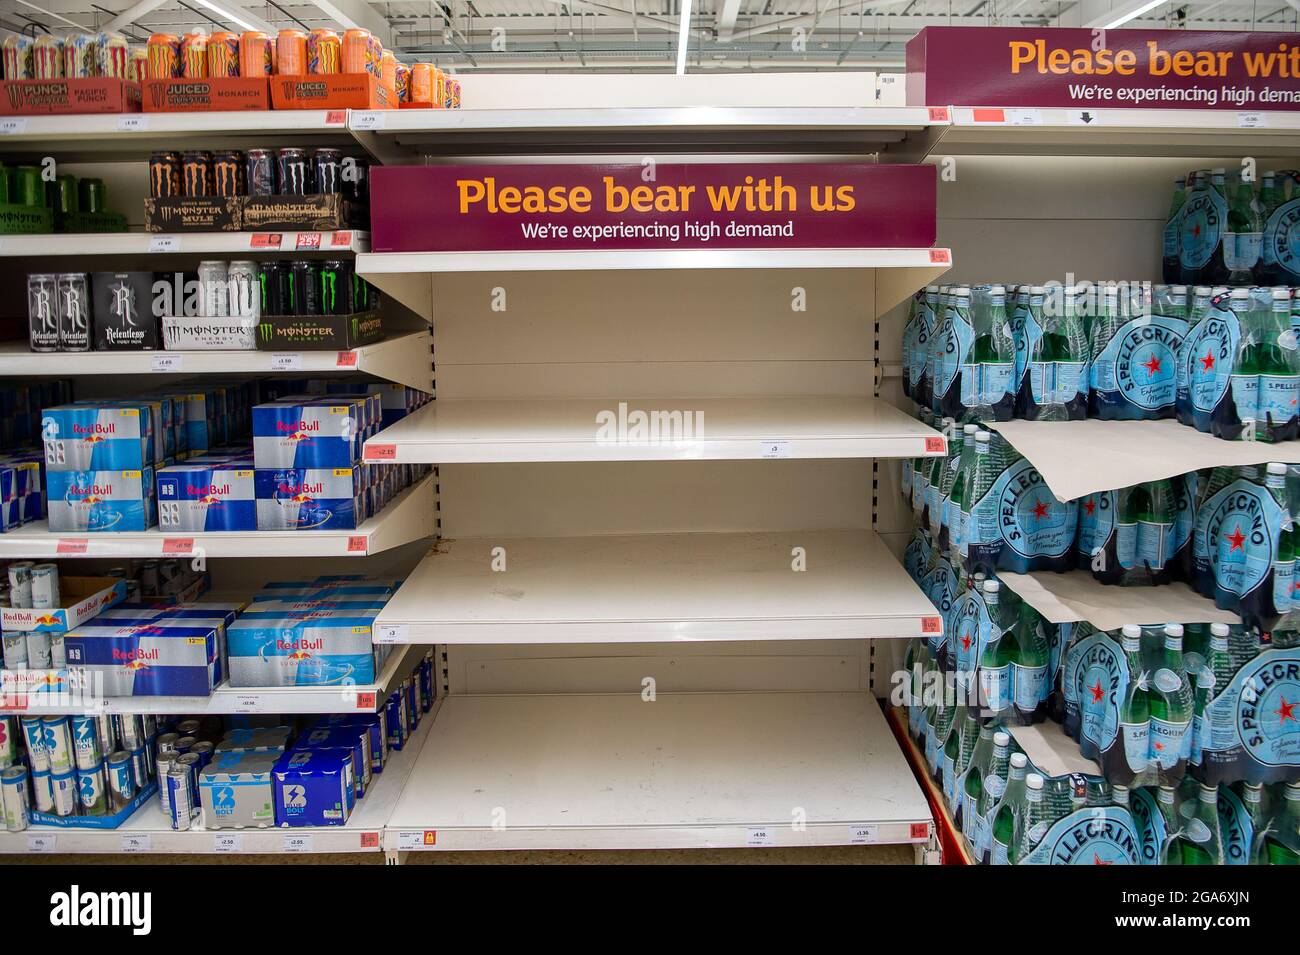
(183, 745)
(113, 55)
(223, 54)
(45, 578)
(80, 56)
(47, 58)
(165, 760)
(140, 766)
(324, 52)
(194, 56)
(121, 780)
(163, 53)
(92, 791)
(180, 804)
(17, 57)
(203, 750)
(14, 803)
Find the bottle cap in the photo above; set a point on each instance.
(1173, 630)
(961, 291)
(1282, 293)
(1276, 467)
(932, 289)
(1218, 629)
(1132, 630)
(1019, 760)
(970, 428)
(981, 436)
(997, 290)
(1203, 290)
(991, 586)
(1178, 289)
(1242, 293)
(1034, 781)
(1002, 738)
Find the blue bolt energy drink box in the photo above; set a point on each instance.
(373, 723)
(207, 497)
(146, 660)
(352, 739)
(93, 501)
(313, 788)
(236, 791)
(288, 651)
(307, 434)
(255, 739)
(309, 498)
(97, 437)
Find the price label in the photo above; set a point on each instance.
(286, 361)
(408, 839)
(1252, 120)
(932, 625)
(13, 125)
(357, 544)
(934, 446)
(370, 840)
(68, 546)
(381, 452)
(367, 701)
(940, 257)
(307, 240)
(249, 703)
(861, 835)
(228, 842)
(341, 240)
(391, 633)
(42, 842)
(774, 449)
(336, 117)
(164, 243)
(137, 843)
(1025, 117)
(368, 119)
(920, 830)
(265, 240)
(132, 124)
(938, 114)
(759, 836)
(177, 546)
(988, 115)
(166, 363)
(298, 843)
(345, 359)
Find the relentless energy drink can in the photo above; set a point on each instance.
(43, 312)
(165, 175)
(123, 311)
(229, 173)
(261, 172)
(293, 171)
(306, 287)
(74, 311)
(196, 173)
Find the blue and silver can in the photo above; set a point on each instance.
(42, 791)
(92, 790)
(180, 807)
(85, 741)
(64, 789)
(14, 801)
(34, 737)
(121, 780)
(57, 731)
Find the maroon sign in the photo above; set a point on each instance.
(1148, 69)
(663, 206)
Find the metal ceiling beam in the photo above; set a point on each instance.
(727, 17)
(810, 20)
(131, 14)
(625, 16)
(357, 14)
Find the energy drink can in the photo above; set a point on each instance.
(164, 56)
(42, 791)
(38, 650)
(149, 578)
(165, 761)
(374, 56)
(291, 53)
(57, 734)
(324, 53)
(63, 786)
(64, 194)
(140, 766)
(165, 174)
(42, 322)
(20, 583)
(29, 186)
(256, 54)
(183, 745)
(293, 171)
(17, 51)
(47, 58)
(306, 287)
(402, 83)
(261, 172)
(85, 741)
(121, 780)
(336, 287)
(92, 195)
(356, 51)
(245, 296)
(13, 798)
(179, 804)
(203, 750)
(34, 739)
(196, 173)
(327, 170)
(229, 173)
(188, 728)
(114, 55)
(9, 751)
(356, 184)
(131, 732)
(277, 288)
(421, 83)
(190, 763)
(74, 315)
(107, 729)
(194, 56)
(214, 292)
(80, 56)
(137, 65)
(93, 790)
(388, 69)
(223, 54)
(45, 586)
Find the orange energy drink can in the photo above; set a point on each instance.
(356, 51)
(291, 53)
(375, 57)
(324, 53)
(388, 69)
(422, 83)
(137, 65)
(455, 94)
(223, 54)
(441, 93)
(194, 56)
(402, 82)
(164, 53)
(256, 54)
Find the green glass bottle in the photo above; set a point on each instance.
(1278, 366)
(1243, 383)
(990, 395)
(1252, 800)
(1219, 658)
(978, 823)
(1009, 817)
(1201, 841)
(1243, 238)
(957, 753)
(1058, 366)
(958, 498)
(941, 482)
(1281, 844)
(1037, 819)
(943, 723)
(1171, 268)
(1170, 700)
(972, 783)
(1031, 658)
(1134, 711)
(1201, 695)
(1144, 530)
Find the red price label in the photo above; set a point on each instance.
(177, 546)
(370, 840)
(341, 240)
(931, 625)
(357, 545)
(346, 359)
(934, 445)
(381, 452)
(265, 240)
(989, 115)
(938, 114)
(940, 256)
(920, 830)
(336, 117)
(308, 240)
(366, 701)
(71, 545)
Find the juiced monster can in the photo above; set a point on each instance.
(114, 55)
(74, 311)
(80, 56)
(43, 312)
(47, 58)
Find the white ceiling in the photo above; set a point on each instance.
(622, 35)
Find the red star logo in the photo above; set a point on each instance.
(1157, 745)
(965, 641)
(1098, 694)
(1096, 860)
(1236, 538)
(1286, 712)
(1196, 230)
(1090, 506)
(1208, 361)
(1152, 365)
(1040, 510)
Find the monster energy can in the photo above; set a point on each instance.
(306, 287)
(336, 288)
(277, 288)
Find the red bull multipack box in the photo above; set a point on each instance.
(302, 499)
(147, 659)
(335, 649)
(313, 434)
(329, 588)
(99, 436)
(100, 500)
(200, 496)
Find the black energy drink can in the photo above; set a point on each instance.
(196, 173)
(261, 172)
(306, 287)
(293, 171)
(229, 173)
(165, 175)
(327, 168)
(336, 277)
(276, 281)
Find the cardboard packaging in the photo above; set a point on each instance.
(209, 334)
(147, 660)
(101, 94)
(236, 791)
(206, 497)
(84, 598)
(336, 91)
(321, 433)
(261, 739)
(319, 332)
(100, 501)
(300, 499)
(218, 93)
(313, 788)
(122, 307)
(193, 214)
(98, 436)
(336, 649)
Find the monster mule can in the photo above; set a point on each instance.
(43, 312)
(165, 175)
(229, 173)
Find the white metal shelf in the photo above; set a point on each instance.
(658, 588)
(408, 517)
(342, 242)
(401, 358)
(686, 770)
(147, 831)
(225, 699)
(459, 431)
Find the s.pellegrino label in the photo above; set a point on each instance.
(1134, 374)
(1252, 726)
(1241, 524)
(1018, 524)
(1209, 355)
(1281, 243)
(1104, 835)
(1096, 675)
